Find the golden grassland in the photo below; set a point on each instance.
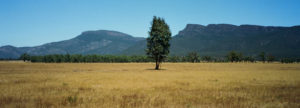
(127, 85)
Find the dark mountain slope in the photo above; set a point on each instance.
(219, 39)
(89, 42)
(9, 52)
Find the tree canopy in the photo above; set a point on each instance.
(158, 41)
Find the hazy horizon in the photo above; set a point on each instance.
(31, 23)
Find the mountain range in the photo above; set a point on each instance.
(211, 40)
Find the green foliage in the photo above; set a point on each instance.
(25, 57)
(289, 60)
(158, 41)
(193, 57)
(262, 56)
(234, 56)
(77, 58)
(174, 59)
(270, 58)
(207, 58)
(249, 59)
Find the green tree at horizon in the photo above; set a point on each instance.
(158, 41)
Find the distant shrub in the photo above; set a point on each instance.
(234, 56)
(288, 60)
(270, 58)
(208, 59)
(249, 59)
(193, 57)
(174, 59)
(25, 57)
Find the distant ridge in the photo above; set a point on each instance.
(219, 39)
(212, 40)
(88, 42)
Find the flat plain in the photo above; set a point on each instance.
(129, 85)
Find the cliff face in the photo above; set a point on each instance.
(218, 39)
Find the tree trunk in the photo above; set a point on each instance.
(156, 65)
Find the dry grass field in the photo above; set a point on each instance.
(128, 85)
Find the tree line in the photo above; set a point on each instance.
(193, 57)
(263, 57)
(78, 58)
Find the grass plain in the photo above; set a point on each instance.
(129, 85)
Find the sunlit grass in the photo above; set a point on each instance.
(123, 85)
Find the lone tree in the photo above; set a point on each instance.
(158, 41)
(25, 57)
(262, 57)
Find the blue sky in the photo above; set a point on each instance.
(35, 22)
